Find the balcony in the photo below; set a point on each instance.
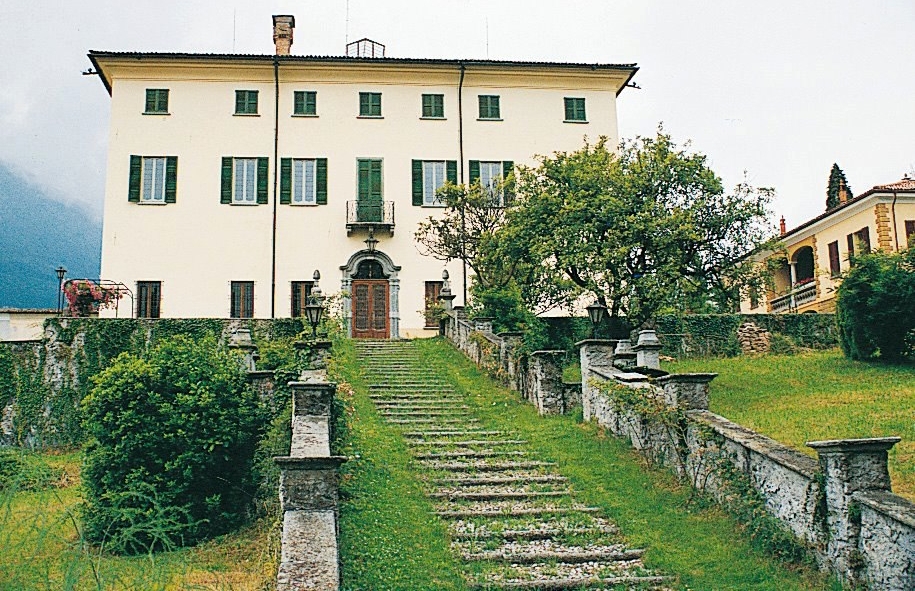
(377, 215)
(799, 296)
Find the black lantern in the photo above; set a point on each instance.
(371, 242)
(596, 313)
(314, 310)
(61, 273)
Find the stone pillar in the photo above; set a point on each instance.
(623, 355)
(686, 391)
(648, 350)
(850, 466)
(483, 324)
(547, 391)
(312, 428)
(240, 340)
(511, 342)
(312, 355)
(593, 353)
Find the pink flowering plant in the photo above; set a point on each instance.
(85, 296)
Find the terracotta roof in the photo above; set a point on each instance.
(906, 184)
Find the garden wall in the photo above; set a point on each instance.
(42, 382)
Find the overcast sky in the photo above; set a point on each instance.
(779, 89)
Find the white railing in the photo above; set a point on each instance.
(799, 296)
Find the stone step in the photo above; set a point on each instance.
(577, 583)
(486, 467)
(484, 481)
(500, 495)
(470, 442)
(419, 413)
(468, 454)
(516, 512)
(419, 396)
(452, 433)
(432, 421)
(575, 557)
(512, 535)
(408, 406)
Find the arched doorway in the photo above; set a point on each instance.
(371, 311)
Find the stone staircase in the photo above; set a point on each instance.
(513, 518)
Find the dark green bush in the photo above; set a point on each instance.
(875, 310)
(172, 439)
(780, 344)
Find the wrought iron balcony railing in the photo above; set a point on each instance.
(362, 214)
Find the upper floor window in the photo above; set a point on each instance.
(491, 176)
(149, 295)
(244, 181)
(153, 179)
(433, 106)
(428, 177)
(301, 292)
(303, 181)
(370, 104)
(305, 102)
(859, 242)
(156, 101)
(575, 109)
(246, 102)
(242, 296)
(909, 232)
(489, 107)
(835, 265)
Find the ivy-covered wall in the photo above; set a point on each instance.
(43, 382)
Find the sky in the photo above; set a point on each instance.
(772, 92)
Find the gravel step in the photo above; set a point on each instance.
(453, 433)
(486, 467)
(470, 442)
(577, 557)
(572, 583)
(519, 512)
(499, 495)
(531, 535)
(547, 479)
(432, 421)
(468, 454)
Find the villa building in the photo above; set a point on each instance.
(816, 253)
(232, 178)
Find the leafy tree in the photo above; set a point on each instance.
(875, 309)
(837, 183)
(647, 230)
(172, 439)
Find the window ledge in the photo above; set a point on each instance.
(244, 203)
(307, 115)
(435, 205)
(155, 113)
(369, 116)
(141, 202)
(246, 114)
(489, 119)
(434, 118)
(293, 204)
(574, 121)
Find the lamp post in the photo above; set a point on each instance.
(61, 272)
(314, 310)
(596, 313)
(371, 242)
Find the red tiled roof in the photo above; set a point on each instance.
(906, 184)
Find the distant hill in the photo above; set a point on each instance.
(38, 234)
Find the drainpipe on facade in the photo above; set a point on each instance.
(276, 143)
(461, 155)
(895, 229)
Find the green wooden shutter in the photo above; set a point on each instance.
(508, 188)
(418, 182)
(474, 171)
(285, 181)
(150, 100)
(171, 178)
(363, 103)
(298, 102)
(321, 181)
(363, 191)
(262, 174)
(225, 195)
(133, 184)
(311, 103)
(451, 171)
(377, 192)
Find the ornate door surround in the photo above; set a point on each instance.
(355, 273)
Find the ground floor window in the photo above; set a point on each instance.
(301, 291)
(149, 295)
(433, 290)
(242, 305)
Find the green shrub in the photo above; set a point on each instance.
(875, 310)
(172, 438)
(21, 470)
(780, 344)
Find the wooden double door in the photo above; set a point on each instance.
(370, 304)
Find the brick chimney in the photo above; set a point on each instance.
(781, 225)
(844, 193)
(283, 24)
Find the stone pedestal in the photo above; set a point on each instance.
(686, 391)
(850, 466)
(240, 340)
(508, 356)
(313, 354)
(547, 391)
(648, 350)
(593, 353)
(483, 324)
(623, 355)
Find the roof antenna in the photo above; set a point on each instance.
(234, 10)
(347, 22)
(487, 37)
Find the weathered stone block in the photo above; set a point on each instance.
(309, 483)
(310, 557)
(312, 397)
(686, 391)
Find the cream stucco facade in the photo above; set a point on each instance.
(815, 253)
(196, 246)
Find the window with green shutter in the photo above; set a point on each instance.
(246, 102)
(156, 101)
(242, 299)
(153, 179)
(492, 176)
(303, 181)
(369, 197)
(433, 106)
(428, 177)
(370, 104)
(489, 107)
(305, 102)
(575, 109)
(244, 181)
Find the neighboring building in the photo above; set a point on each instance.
(231, 178)
(23, 324)
(817, 252)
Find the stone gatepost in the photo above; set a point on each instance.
(850, 466)
(648, 350)
(686, 391)
(309, 492)
(240, 340)
(623, 355)
(510, 343)
(483, 324)
(593, 353)
(313, 355)
(547, 391)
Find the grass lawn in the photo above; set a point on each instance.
(40, 548)
(703, 547)
(817, 395)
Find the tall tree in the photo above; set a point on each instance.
(646, 230)
(837, 185)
